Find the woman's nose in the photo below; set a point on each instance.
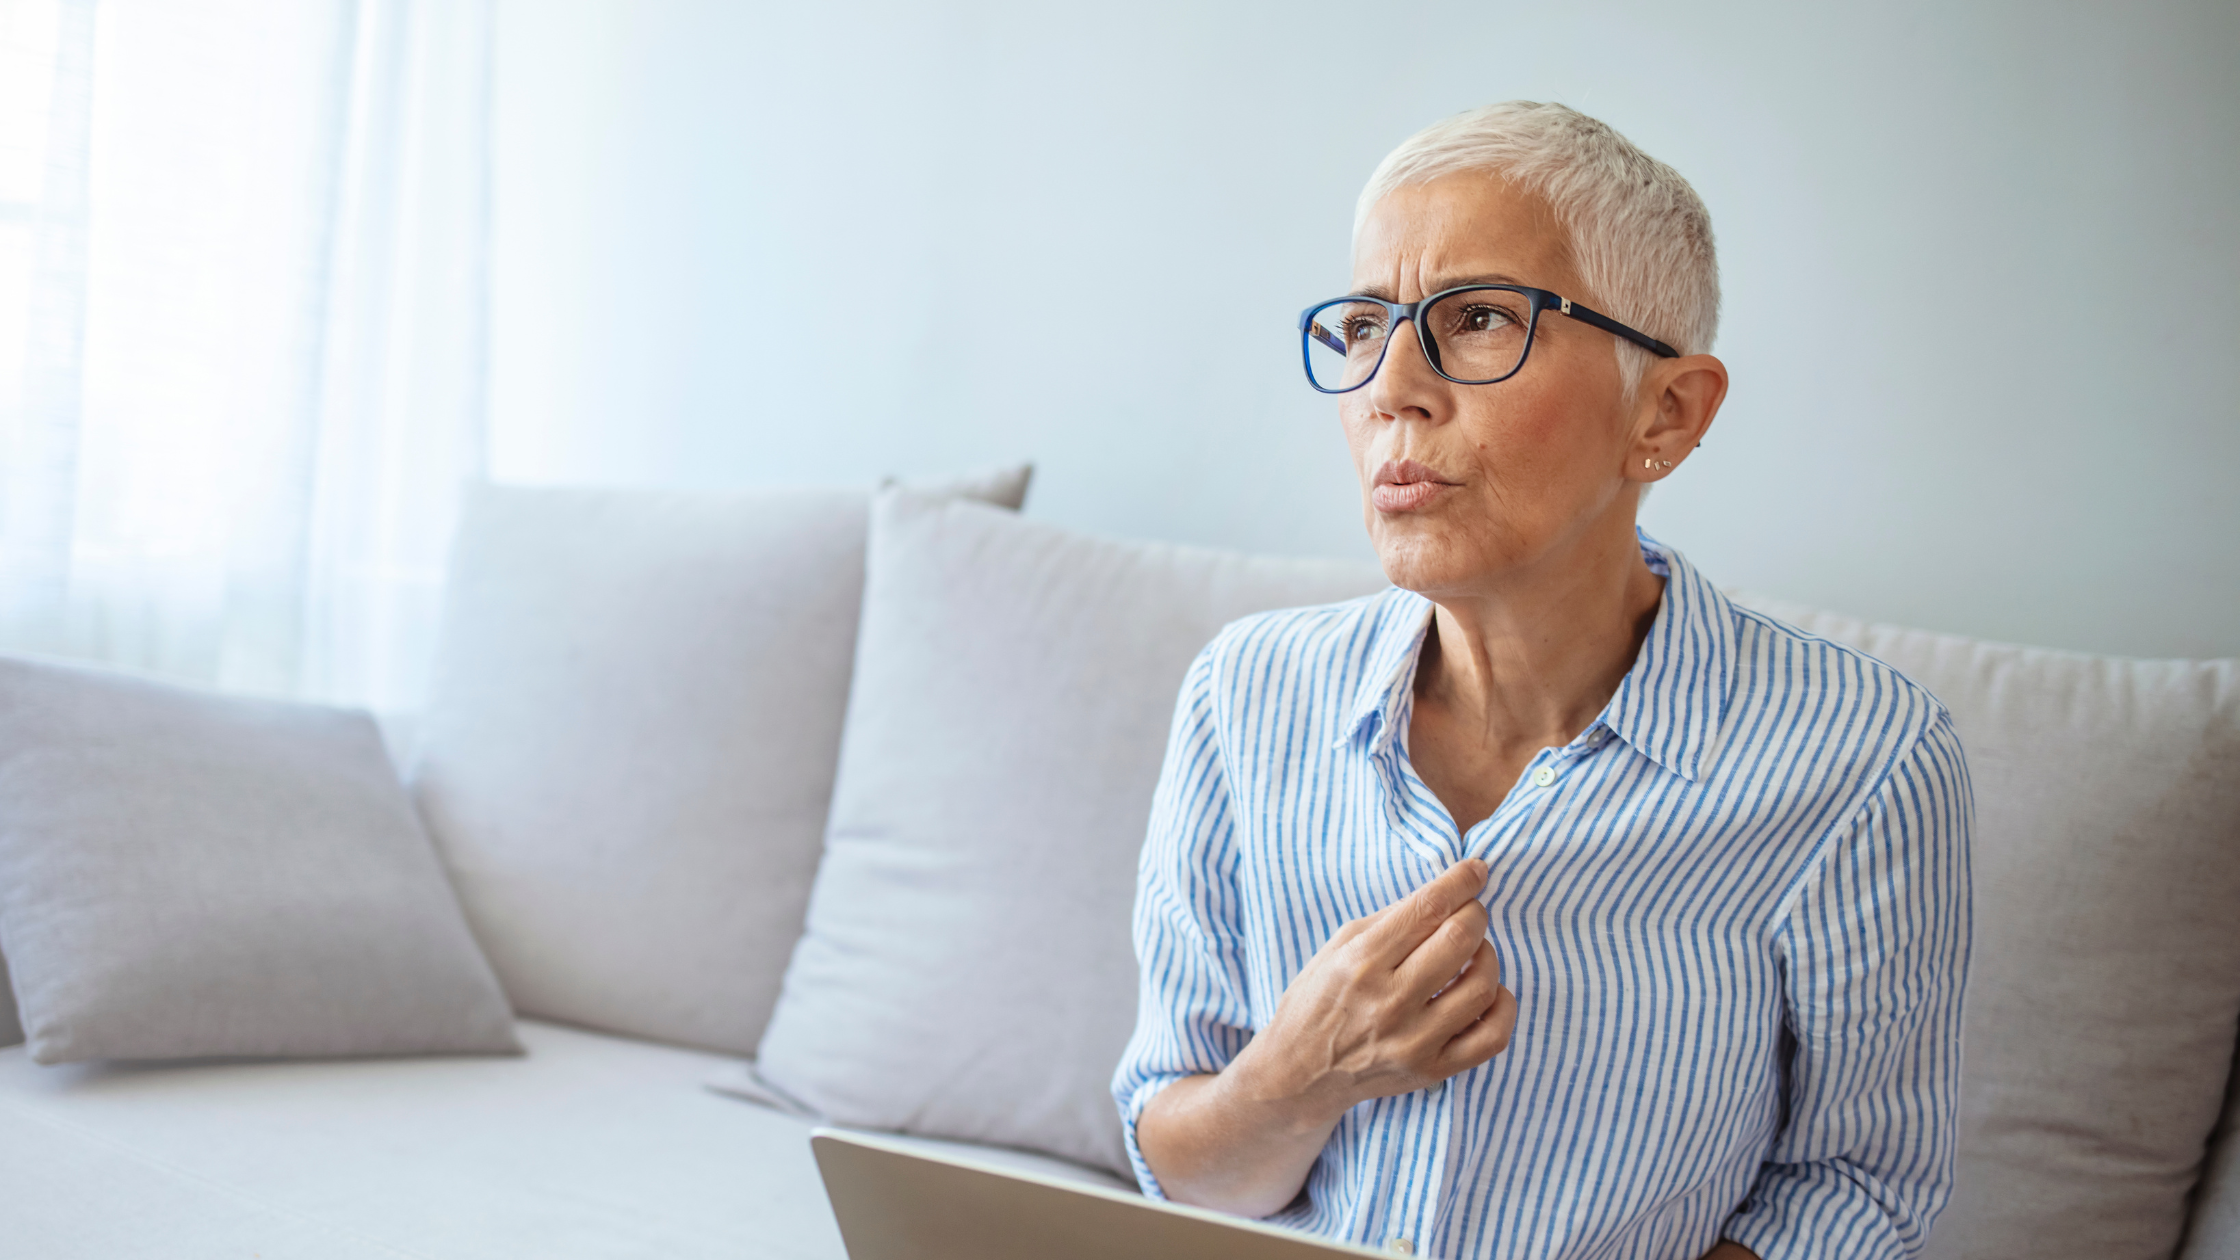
(1404, 381)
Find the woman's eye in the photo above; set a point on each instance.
(1484, 319)
(1362, 328)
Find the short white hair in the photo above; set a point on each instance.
(1640, 236)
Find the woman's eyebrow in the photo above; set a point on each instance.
(1383, 293)
(1494, 278)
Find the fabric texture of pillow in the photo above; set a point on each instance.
(967, 971)
(188, 875)
(630, 747)
(2105, 988)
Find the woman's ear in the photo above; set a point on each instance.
(1678, 400)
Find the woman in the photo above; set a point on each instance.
(1548, 905)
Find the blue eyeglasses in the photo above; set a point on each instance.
(1475, 334)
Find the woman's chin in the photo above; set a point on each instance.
(1414, 561)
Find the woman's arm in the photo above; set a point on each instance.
(1874, 961)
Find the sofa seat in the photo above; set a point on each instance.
(590, 1145)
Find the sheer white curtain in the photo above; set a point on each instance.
(242, 333)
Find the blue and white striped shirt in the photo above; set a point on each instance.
(1736, 920)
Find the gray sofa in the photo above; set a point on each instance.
(692, 812)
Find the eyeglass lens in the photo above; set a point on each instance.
(1474, 335)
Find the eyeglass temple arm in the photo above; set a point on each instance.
(1313, 328)
(1613, 327)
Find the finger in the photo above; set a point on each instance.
(1434, 964)
(1468, 998)
(1486, 960)
(1478, 1042)
(1484, 964)
(1409, 922)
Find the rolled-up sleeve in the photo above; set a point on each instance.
(1191, 1016)
(1875, 954)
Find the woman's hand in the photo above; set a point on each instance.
(1396, 1001)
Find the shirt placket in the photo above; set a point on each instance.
(1405, 1225)
(1508, 826)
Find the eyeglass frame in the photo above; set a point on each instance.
(1405, 312)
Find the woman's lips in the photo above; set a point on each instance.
(1406, 496)
(1405, 485)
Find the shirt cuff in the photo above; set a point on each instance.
(1132, 1112)
(1812, 1219)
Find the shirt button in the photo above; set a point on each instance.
(1544, 776)
(1400, 1247)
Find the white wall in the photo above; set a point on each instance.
(1983, 292)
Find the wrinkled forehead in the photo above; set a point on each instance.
(1471, 227)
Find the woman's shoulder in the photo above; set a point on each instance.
(1318, 627)
(1763, 662)
(1785, 658)
(1346, 636)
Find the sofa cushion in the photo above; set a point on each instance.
(629, 750)
(967, 970)
(184, 874)
(2105, 988)
(591, 1146)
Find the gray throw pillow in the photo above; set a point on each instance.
(187, 875)
(967, 970)
(629, 751)
(2105, 988)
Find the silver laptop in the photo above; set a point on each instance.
(898, 1203)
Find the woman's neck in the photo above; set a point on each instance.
(1532, 658)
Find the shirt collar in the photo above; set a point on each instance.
(1390, 676)
(1669, 706)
